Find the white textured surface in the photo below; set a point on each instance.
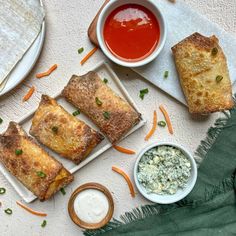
(67, 22)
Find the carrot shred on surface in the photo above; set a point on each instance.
(167, 118)
(89, 55)
(126, 177)
(154, 126)
(29, 94)
(30, 210)
(47, 73)
(124, 150)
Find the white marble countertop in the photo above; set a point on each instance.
(66, 31)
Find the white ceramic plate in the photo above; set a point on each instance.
(104, 71)
(25, 65)
(181, 193)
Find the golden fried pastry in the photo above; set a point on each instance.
(203, 74)
(113, 115)
(70, 137)
(30, 164)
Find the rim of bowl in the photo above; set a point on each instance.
(154, 54)
(186, 190)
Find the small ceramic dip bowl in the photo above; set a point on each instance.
(91, 206)
(129, 33)
(165, 172)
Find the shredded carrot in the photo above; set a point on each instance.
(167, 118)
(154, 126)
(126, 177)
(29, 94)
(88, 55)
(123, 150)
(47, 73)
(30, 210)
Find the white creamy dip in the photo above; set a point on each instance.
(91, 206)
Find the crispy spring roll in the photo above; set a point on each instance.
(53, 126)
(30, 164)
(203, 74)
(113, 115)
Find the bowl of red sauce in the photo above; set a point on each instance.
(131, 33)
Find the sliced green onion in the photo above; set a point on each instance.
(63, 191)
(55, 129)
(219, 78)
(162, 123)
(41, 174)
(214, 51)
(8, 211)
(80, 50)
(2, 190)
(105, 80)
(166, 74)
(98, 101)
(44, 224)
(106, 115)
(1, 120)
(76, 113)
(143, 92)
(18, 152)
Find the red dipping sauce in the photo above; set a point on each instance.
(131, 32)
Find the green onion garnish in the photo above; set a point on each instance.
(105, 80)
(63, 191)
(18, 152)
(166, 74)
(2, 190)
(8, 211)
(1, 120)
(55, 129)
(80, 50)
(44, 224)
(76, 113)
(214, 51)
(41, 174)
(162, 123)
(219, 78)
(143, 92)
(98, 101)
(106, 115)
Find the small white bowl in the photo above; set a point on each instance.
(112, 5)
(167, 198)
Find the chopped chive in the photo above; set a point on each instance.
(166, 74)
(8, 211)
(1, 120)
(162, 123)
(41, 174)
(2, 190)
(106, 115)
(105, 80)
(80, 50)
(44, 224)
(55, 129)
(18, 152)
(219, 78)
(214, 51)
(143, 92)
(98, 101)
(76, 113)
(63, 191)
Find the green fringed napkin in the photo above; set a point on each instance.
(210, 209)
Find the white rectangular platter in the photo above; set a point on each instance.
(183, 21)
(104, 71)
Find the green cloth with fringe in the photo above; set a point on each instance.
(210, 209)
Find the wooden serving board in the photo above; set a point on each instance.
(92, 28)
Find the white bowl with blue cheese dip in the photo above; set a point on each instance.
(165, 172)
